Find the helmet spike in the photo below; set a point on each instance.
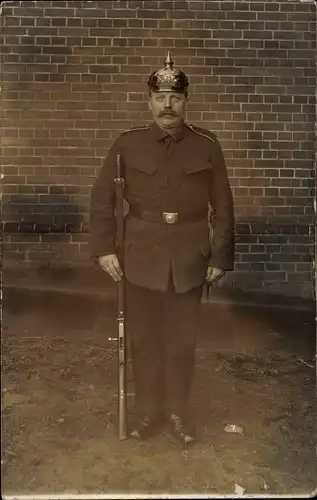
(168, 61)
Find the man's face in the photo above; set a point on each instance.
(168, 108)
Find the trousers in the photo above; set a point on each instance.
(162, 329)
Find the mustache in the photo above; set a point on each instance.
(167, 112)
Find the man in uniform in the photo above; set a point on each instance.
(173, 173)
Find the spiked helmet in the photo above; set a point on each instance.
(168, 79)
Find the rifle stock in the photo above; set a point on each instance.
(121, 339)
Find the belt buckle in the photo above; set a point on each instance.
(170, 217)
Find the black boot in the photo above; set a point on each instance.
(145, 427)
(180, 431)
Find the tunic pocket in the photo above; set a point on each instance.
(144, 167)
(196, 166)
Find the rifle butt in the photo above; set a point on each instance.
(122, 420)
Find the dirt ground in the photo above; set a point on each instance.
(255, 369)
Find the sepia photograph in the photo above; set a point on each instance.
(158, 249)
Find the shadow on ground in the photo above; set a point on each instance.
(255, 369)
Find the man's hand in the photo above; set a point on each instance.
(110, 264)
(214, 274)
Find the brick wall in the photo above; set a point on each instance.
(73, 77)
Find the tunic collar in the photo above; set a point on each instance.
(160, 134)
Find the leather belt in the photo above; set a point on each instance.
(168, 217)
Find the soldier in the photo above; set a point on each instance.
(173, 172)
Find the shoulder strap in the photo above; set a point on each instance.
(193, 128)
(143, 127)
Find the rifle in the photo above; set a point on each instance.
(121, 339)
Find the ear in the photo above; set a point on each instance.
(150, 104)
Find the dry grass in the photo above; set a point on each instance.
(59, 415)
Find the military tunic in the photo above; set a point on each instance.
(181, 174)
